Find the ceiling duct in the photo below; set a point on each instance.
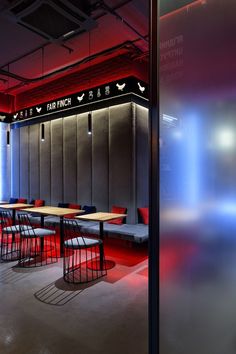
(55, 20)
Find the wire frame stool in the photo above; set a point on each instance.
(37, 245)
(10, 238)
(81, 263)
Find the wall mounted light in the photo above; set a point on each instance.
(90, 123)
(8, 137)
(42, 132)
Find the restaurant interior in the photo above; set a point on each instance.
(117, 176)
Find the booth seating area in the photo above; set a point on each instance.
(135, 233)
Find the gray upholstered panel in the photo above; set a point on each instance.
(56, 161)
(100, 155)
(45, 164)
(5, 162)
(34, 161)
(70, 159)
(24, 162)
(84, 157)
(142, 156)
(108, 168)
(15, 163)
(121, 174)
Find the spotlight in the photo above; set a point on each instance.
(42, 132)
(89, 123)
(8, 137)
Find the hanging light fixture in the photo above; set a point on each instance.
(90, 123)
(42, 132)
(90, 113)
(8, 137)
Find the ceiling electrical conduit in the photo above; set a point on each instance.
(114, 13)
(96, 5)
(25, 81)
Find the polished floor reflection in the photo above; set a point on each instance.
(40, 314)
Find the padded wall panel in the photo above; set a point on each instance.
(142, 152)
(121, 174)
(56, 161)
(100, 160)
(5, 182)
(15, 163)
(70, 159)
(45, 164)
(33, 161)
(24, 162)
(84, 161)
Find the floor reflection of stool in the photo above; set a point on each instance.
(79, 252)
(37, 245)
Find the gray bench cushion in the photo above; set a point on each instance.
(135, 233)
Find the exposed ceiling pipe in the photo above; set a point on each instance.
(25, 81)
(114, 13)
(101, 4)
(96, 5)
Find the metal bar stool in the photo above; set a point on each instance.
(37, 245)
(10, 237)
(82, 260)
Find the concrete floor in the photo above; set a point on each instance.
(40, 314)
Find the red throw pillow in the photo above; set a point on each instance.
(117, 210)
(22, 200)
(72, 206)
(38, 203)
(144, 213)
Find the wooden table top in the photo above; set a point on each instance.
(101, 216)
(55, 211)
(16, 206)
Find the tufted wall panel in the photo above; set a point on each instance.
(56, 161)
(100, 159)
(24, 162)
(84, 161)
(45, 164)
(142, 156)
(69, 159)
(33, 161)
(15, 163)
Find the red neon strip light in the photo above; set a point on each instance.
(185, 7)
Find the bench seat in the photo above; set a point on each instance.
(135, 233)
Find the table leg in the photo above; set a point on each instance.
(42, 220)
(101, 248)
(61, 236)
(42, 239)
(101, 230)
(13, 216)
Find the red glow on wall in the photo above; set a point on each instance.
(99, 74)
(6, 103)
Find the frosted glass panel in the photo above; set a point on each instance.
(198, 179)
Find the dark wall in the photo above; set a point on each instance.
(110, 167)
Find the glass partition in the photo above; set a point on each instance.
(198, 179)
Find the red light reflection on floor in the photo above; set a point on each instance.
(119, 251)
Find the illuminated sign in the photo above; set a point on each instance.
(128, 85)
